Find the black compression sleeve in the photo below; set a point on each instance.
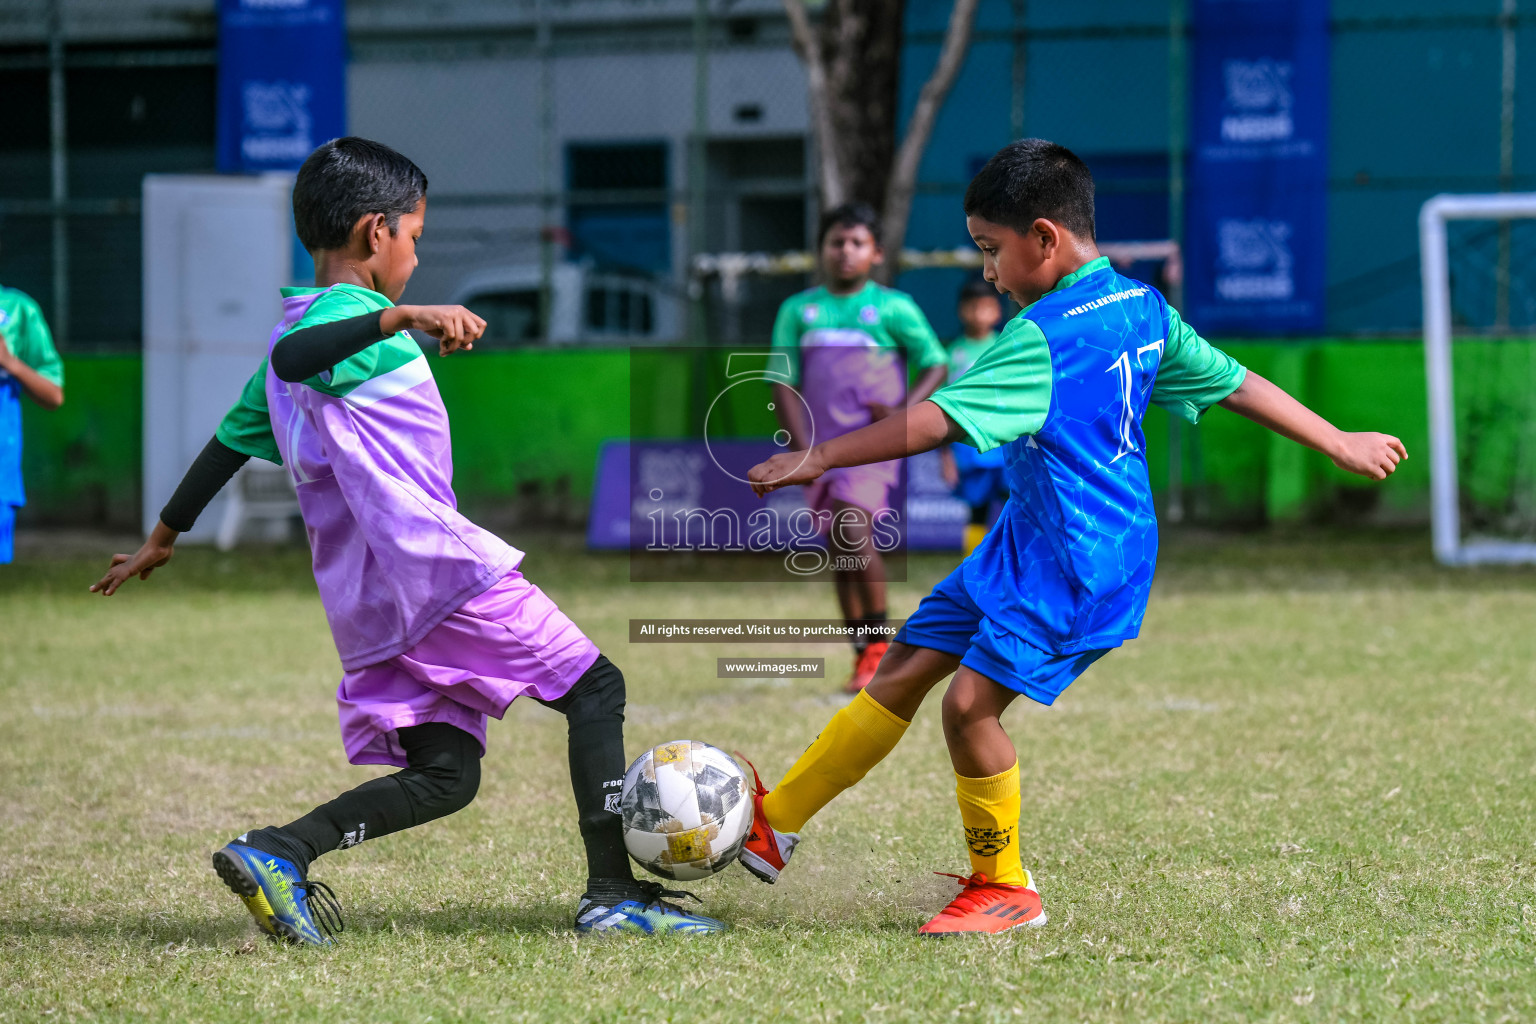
(311, 350)
(210, 471)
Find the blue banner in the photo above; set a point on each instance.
(625, 506)
(1257, 225)
(282, 81)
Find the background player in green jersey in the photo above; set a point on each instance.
(28, 364)
(851, 343)
(976, 477)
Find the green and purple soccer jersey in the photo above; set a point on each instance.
(367, 446)
(964, 351)
(847, 353)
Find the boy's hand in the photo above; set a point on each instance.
(785, 470)
(1369, 454)
(155, 553)
(454, 327)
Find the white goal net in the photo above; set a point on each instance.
(1478, 257)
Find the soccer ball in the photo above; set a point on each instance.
(686, 810)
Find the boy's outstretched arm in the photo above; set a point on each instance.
(919, 429)
(1367, 453)
(214, 467)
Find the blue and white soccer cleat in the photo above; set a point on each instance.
(644, 914)
(284, 903)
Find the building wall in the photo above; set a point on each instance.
(1415, 111)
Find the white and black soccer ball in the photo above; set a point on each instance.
(686, 810)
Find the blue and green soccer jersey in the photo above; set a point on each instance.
(26, 334)
(1063, 391)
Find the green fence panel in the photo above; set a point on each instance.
(81, 461)
(530, 421)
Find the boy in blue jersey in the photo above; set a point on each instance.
(976, 477)
(1063, 577)
(29, 365)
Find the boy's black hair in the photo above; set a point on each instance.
(849, 215)
(1033, 178)
(348, 178)
(975, 288)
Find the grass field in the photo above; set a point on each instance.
(1305, 794)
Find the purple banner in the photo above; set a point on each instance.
(673, 496)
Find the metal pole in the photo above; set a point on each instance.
(59, 190)
(1444, 509)
(1506, 158)
(698, 328)
(1020, 69)
(698, 158)
(1178, 98)
(544, 42)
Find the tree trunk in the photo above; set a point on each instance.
(902, 185)
(853, 67)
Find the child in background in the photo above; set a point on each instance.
(975, 477)
(436, 627)
(1064, 576)
(29, 365)
(845, 340)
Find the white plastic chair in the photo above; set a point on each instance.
(262, 492)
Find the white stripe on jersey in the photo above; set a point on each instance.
(387, 385)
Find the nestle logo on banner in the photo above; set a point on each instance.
(278, 127)
(1254, 262)
(1259, 98)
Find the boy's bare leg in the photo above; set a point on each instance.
(860, 592)
(905, 676)
(859, 572)
(859, 736)
(987, 788)
(973, 728)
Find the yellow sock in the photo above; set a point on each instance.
(989, 809)
(975, 533)
(853, 742)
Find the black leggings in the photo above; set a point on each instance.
(443, 775)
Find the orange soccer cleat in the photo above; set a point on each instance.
(864, 669)
(765, 851)
(987, 908)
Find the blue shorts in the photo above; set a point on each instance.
(948, 620)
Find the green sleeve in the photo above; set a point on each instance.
(786, 336)
(247, 428)
(1193, 374)
(914, 333)
(33, 345)
(1006, 393)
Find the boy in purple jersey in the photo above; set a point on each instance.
(436, 627)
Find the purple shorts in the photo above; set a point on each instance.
(508, 642)
(868, 487)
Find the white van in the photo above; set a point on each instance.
(588, 306)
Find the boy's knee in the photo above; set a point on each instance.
(962, 709)
(441, 786)
(598, 694)
(444, 772)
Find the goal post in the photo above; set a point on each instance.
(1450, 547)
